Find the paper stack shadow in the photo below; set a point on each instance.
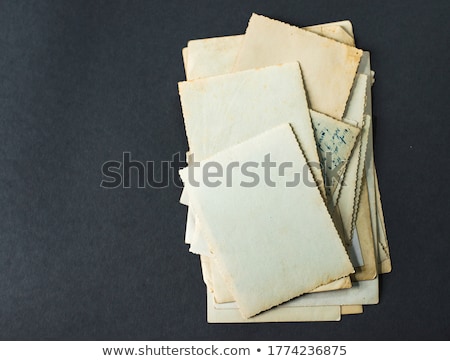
(283, 203)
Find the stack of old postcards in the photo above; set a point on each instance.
(283, 202)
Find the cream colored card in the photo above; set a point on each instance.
(365, 134)
(368, 270)
(376, 211)
(364, 68)
(222, 294)
(298, 248)
(364, 212)
(370, 180)
(351, 309)
(354, 115)
(355, 110)
(219, 287)
(329, 67)
(385, 265)
(378, 228)
(215, 283)
(198, 245)
(344, 194)
(348, 200)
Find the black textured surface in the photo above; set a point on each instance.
(84, 81)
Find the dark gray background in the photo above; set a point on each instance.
(84, 81)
